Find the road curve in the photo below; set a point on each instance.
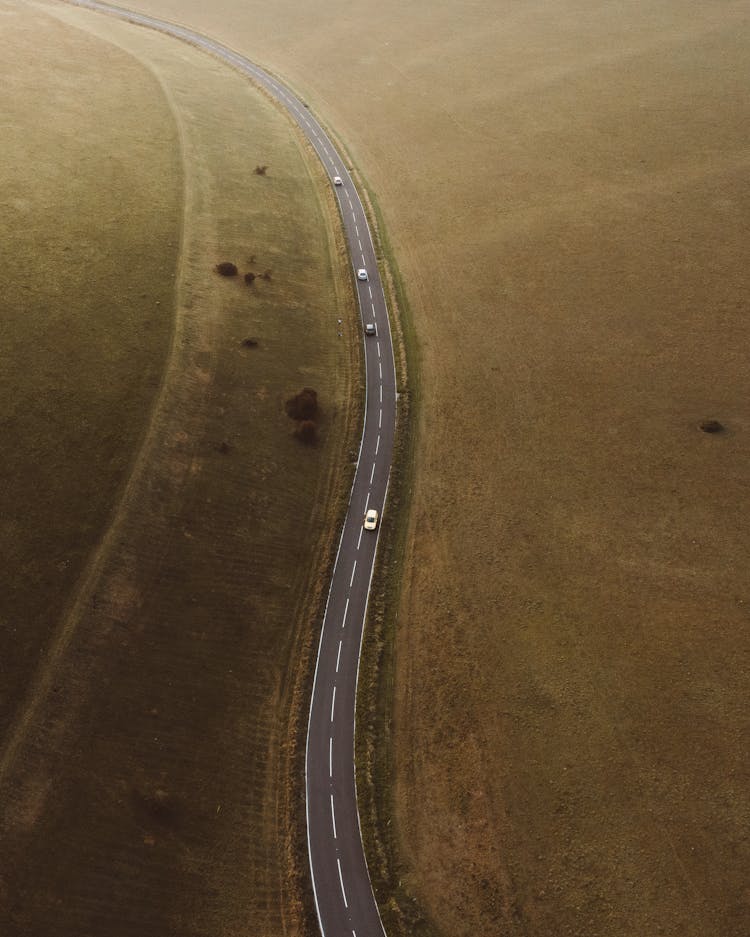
(344, 899)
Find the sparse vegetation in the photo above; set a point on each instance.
(249, 342)
(226, 269)
(711, 426)
(249, 278)
(260, 170)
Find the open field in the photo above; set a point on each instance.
(165, 531)
(88, 250)
(566, 191)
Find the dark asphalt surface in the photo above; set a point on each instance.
(343, 894)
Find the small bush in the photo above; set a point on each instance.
(249, 277)
(303, 406)
(249, 342)
(307, 432)
(260, 170)
(266, 275)
(226, 269)
(224, 447)
(711, 426)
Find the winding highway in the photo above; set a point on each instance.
(344, 899)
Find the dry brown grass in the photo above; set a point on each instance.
(149, 784)
(572, 659)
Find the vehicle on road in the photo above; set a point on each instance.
(361, 274)
(337, 180)
(371, 519)
(370, 329)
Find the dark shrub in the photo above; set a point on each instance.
(266, 275)
(260, 170)
(711, 426)
(249, 342)
(307, 432)
(226, 269)
(249, 277)
(304, 405)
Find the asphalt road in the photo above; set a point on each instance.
(344, 899)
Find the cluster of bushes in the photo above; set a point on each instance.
(227, 269)
(303, 408)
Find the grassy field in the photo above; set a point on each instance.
(566, 191)
(164, 533)
(88, 249)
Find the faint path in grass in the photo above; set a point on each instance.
(159, 754)
(41, 686)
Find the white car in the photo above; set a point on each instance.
(371, 519)
(370, 329)
(337, 180)
(361, 274)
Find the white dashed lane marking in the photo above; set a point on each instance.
(359, 539)
(295, 107)
(333, 818)
(380, 419)
(341, 882)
